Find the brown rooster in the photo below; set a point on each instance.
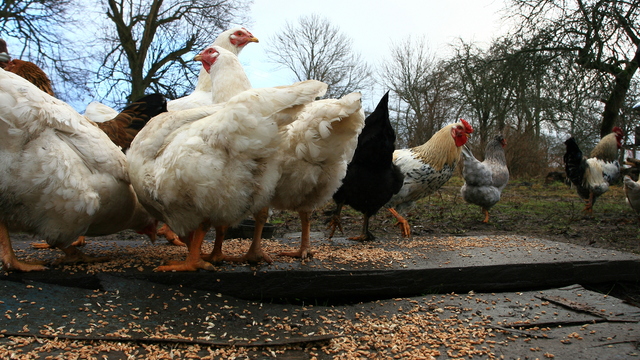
(25, 69)
(427, 167)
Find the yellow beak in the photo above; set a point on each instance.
(197, 58)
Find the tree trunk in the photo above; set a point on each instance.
(614, 102)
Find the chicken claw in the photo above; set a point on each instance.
(171, 237)
(81, 241)
(405, 229)
(300, 253)
(304, 251)
(24, 266)
(252, 257)
(193, 262)
(363, 237)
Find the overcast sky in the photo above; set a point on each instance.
(373, 26)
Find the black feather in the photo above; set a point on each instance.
(146, 108)
(372, 178)
(575, 166)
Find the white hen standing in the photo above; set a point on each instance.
(214, 165)
(61, 176)
(315, 152)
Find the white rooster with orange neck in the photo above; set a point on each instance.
(427, 167)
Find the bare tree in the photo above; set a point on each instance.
(147, 40)
(603, 36)
(315, 49)
(41, 31)
(424, 87)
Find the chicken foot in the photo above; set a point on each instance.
(365, 235)
(9, 260)
(336, 221)
(171, 237)
(255, 254)
(405, 229)
(193, 261)
(304, 251)
(81, 241)
(216, 255)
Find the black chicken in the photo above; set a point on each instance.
(372, 178)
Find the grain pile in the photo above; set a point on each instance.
(392, 253)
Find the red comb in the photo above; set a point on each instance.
(467, 126)
(616, 130)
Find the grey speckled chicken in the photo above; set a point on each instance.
(484, 181)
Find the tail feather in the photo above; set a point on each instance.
(327, 128)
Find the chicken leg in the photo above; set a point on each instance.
(405, 229)
(486, 215)
(335, 221)
(365, 235)
(216, 255)
(9, 260)
(193, 261)
(255, 254)
(588, 207)
(304, 251)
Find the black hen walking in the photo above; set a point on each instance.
(372, 178)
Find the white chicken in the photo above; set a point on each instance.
(210, 92)
(214, 165)
(233, 40)
(484, 181)
(314, 152)
(61, 176)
